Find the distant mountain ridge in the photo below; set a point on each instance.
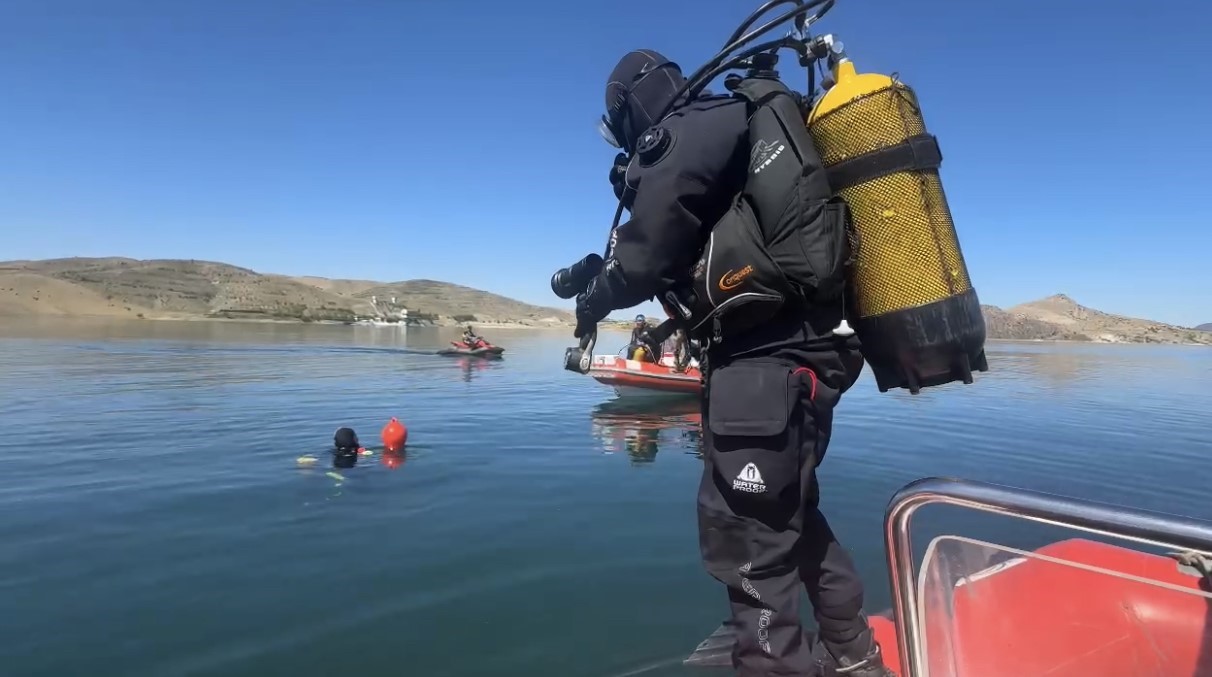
(172, 288)
(1059, 317)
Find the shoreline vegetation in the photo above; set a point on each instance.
(191, 290)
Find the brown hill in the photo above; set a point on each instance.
(1060, 317)
(30, 293)
(342, 287)
(1000, 324)
(456, 301)
(177, 288)
(170, 288)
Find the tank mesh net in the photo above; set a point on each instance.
(908, 252)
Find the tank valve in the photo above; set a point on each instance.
(828, 47)
(819, 46)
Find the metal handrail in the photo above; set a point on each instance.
(1154, 528)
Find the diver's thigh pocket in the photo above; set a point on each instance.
(749, 410)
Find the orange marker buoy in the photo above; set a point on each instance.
(394, 435)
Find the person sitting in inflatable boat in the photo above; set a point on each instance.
(643, 347)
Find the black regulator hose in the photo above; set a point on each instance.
(697, 81)
(797, 14)
(801, 21)
(740, 30)
(790, 43)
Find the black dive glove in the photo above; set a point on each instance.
(598, 299)
(593, 305)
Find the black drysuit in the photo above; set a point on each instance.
(767, 405)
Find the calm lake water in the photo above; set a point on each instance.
(155, 521)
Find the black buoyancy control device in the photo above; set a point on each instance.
(785, 239)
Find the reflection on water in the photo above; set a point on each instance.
(473, 366)
(1067, 366)
(637, 426)
(344, 460)
(1060, 369)
(394, 460)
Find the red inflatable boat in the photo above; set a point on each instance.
(631, 378)
(1073, 608)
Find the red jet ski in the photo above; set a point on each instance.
(481, 348)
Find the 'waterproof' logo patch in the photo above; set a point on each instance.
(749, 480)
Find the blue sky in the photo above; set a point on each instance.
(399, 139)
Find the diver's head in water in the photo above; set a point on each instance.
(345, 448)
(641, 86)
(345, 441)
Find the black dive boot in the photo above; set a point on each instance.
(859, 658)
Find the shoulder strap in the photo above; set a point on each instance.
(788, 187)
(770, 94)
(785, 169)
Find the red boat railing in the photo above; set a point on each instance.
(1145, 527)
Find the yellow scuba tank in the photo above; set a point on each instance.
(911, 300)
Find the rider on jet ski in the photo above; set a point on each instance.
(470, 339)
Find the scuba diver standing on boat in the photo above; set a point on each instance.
(770, 388)
(766, 222)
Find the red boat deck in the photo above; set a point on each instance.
(1104, 611)
(1074, 608)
